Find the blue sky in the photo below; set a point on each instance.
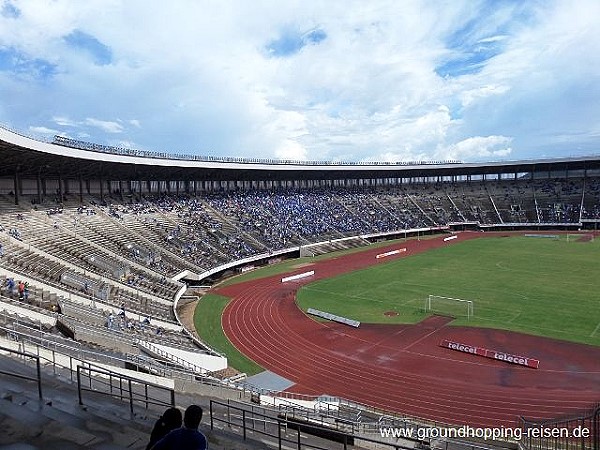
(308, 80)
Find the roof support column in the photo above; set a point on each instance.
(39, 185)
(101, 187)
(16, 183)
(80, 189)
(60, 189)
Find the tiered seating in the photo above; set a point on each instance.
(558, 201)
(107, 230)
(123, 333)
(514, 200)
(474, 203)
(434, 202)
(55, 273)
(187, 229)
(591, 202)
(406, 213)
(55, 235)
(365, 212)
(253, 212)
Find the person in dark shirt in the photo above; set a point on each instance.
(187, 437)
(170, 420)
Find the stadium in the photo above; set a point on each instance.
(114, 252)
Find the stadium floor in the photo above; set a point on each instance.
(402, 368)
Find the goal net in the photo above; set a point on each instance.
(448, 306)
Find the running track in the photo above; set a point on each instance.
(401, 368)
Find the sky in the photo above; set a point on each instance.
(329, 80)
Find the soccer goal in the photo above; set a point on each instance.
(455, 307)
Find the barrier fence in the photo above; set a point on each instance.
(290, 433)
(113, 384)
(25, 355)
(570, 433)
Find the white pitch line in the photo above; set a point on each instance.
(595, 330)
(513, 318)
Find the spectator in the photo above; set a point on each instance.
(111, 319)
(187, 437)
(10, 286)
(170, 420)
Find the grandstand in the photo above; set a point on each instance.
(107, 240)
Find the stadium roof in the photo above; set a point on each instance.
(74, 159)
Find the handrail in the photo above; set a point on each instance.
(38, 377)
(132, 396)
(588, 440)
(174, 358)
(249, 417)
(74, 350)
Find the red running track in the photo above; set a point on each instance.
(401, 368)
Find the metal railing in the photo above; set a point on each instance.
(133, 390)
(90, 146)
(291, 433)
(581, 432)
(37, 378)
(64, 354)
(153, 348)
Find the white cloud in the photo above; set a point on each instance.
(197, 77)
(479, 148)
(291, 150)
(497, 38)
(104, 125)
(43, 130)
(470, 96)
(64, 121)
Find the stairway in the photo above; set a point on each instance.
(59, 422)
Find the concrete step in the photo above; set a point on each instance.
(58, 422)
(65, 423)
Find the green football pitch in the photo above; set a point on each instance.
(547, 287)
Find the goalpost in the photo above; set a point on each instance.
(455, 307)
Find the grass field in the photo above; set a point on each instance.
(208, 312)
(538, 286)
(207, 319)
